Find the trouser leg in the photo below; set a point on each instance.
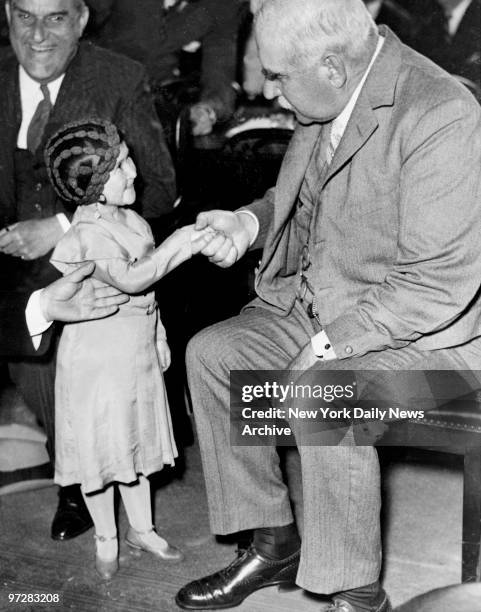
(341, 544)
(244, 483)
(35, 381)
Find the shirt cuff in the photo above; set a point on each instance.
(64, 222)
(322, 347)
(36, 322)
(256, 221)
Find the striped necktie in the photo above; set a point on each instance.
(39, 120)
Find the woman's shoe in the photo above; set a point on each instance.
(106, 568)
(160, 548)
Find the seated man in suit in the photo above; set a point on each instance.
(27, 318)
(48, 78)
(363, 269)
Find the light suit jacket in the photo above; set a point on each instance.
(396, 244)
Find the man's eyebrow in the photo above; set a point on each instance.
(53, 14)
(271, 76)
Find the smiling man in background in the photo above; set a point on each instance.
(48, 79)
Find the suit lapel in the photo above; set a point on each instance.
(62, 111)
(73, 95)
(361, 125)
(378, 90)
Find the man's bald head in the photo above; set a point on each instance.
(310, 28)
(314, 53)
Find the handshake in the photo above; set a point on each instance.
(223, 236)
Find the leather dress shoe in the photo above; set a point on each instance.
(227, 588)
(72, 517)
(340, 605)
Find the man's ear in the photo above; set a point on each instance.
(336, 70)
(83, 19)
(7, 12)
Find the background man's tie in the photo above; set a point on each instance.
(39, 120)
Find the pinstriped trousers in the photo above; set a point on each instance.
(341, 545)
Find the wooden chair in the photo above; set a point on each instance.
(453, 429)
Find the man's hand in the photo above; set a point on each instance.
(202, 118)
(75, 298)
(30, 239)
(234, 233)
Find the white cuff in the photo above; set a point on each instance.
(256, 221)
(322, 347)
(64, 222)
(36, 322)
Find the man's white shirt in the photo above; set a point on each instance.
(456, 16)
(37, 324)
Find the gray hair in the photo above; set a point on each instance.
(308, 29)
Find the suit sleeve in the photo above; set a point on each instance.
(138, 122)
(15, 340)
(436, 273)
(263, 209)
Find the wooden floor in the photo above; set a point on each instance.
(422, 547)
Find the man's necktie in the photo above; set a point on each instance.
(334, 140)
(39, 120)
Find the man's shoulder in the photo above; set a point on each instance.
(7, 59)
(105, 61)
(424, 85)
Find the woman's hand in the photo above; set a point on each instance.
(164, 353)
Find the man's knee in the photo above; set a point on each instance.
(203, 348)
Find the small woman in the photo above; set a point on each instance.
(112, 417)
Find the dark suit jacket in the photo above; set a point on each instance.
(97, 83)
(144, 31)
(395, 238)
(15, 340)
(399, 20)
(462, 54)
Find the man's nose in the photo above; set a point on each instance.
(271, 90)
(39, 31)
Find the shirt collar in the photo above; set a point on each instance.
(456, 15)
(339, 124)
(30, 88)
(374, 8)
